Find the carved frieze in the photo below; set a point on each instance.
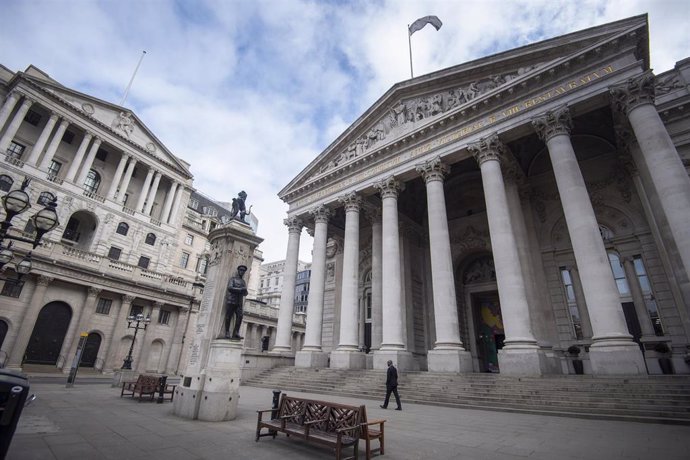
(471, 240)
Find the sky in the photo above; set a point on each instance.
(250, 92)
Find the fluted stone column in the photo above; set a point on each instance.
(42, 140)
(312, 354)
(147, 336)
(152, 193)
(86, 167)
(585, 322)
(520, 355)
(125, 181)
(374, 215)
(15, 124)
(168, 202)
(347, 356)
(282, 343)
(393, 344)
(177, 340)
(144, 191)
(28, 322)
(81, 325)
(7, 108)
(53, 146)
(78, 157)
(448, 354)
(661, 159)
(112, 362)
(112, 190)
(176, 204)
(612, 350)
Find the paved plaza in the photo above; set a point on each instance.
(91, 421)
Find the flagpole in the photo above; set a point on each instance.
(124, 97)
(409, 42)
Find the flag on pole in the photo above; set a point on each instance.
(421, 22)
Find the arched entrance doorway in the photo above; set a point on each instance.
(48, 334)
(90, 353)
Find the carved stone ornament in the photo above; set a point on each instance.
(389, 187)
(331, 247)
(93, 292)
(127, 299)
(668, 83)
(351, 201)
(123, 123)
(634, 92)
(294, 224)
(471, 240)
(433, 170)
(487, 148)
(480, 271)
(151, 147)
(553, 123)
(321, 214)
(44, 280)
(88, 108)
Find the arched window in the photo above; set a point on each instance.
(44, 198)
(92, 182)
(6, 183)
(150, 239)
(122, 228)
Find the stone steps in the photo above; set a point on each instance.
(661, 399)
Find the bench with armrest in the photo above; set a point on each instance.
(148, 385)
(370, 432)
(328, 424)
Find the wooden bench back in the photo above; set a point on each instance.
(329, 416)
(148, 381)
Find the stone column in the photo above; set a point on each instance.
(152, 193)
(285, 311)
(168, 202)
(78, 157)
(15, 124)
(612, 350)
(448, 354)
(86, 167)
(125, 181)
(53, 146)
(143, 348)
(393, 344)
(520, 355)
(144, 191)
(28, 321)
(374, 215)
(638, 298)
(176, 204)
(311, 354)
(8, 107)
(636, 98)
(347, 356)
(40, 144)
(585, 322)
(112, 190)
(177, 340)
(118, 332)
(81, 323)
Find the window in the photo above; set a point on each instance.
(44, 198)
(275, 281)
(135, 310)
(114, 253)
(571, 301)
(122, 228)
(189, 239)
(6, 183)
(92, 182)
(649, 299)
(184, 260)
(54, 168)
(144, 262)
(103, 306)
(201, 265)
(15, 150)
(32, 117)
(12, 288)
(193, 203)
(164, 317)
(101, 155)
(619, 274)
(68, 137)
(150, 239)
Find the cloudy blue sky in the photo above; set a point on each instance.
(249, 92)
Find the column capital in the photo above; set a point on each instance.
(633, 92)
(13, 94)
(352, 201)
(53, 116)
(44, 280)
(158, 304)
(487, 149)
(97, 139)
(294, 224)
(321, 214)
(389, 187)
(93, 292)
(553, 122)
(65, 121)
(127, 299)
(433, 170)
(28, 100)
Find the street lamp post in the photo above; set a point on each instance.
(138, 319)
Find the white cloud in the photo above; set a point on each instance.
(250, 92)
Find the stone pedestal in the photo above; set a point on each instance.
(348, 360)
(521, 361)
(402, 359)
(459, 361)
(623, 358)
(311, 359)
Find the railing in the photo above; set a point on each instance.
(94, 196)
(129, 211)
(54, 178)
(155, 222)
(117, 265)
(79, 254)
(14, 161)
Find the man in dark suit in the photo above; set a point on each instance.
(391, 386)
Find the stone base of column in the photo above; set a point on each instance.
(213, 394)
(282, 351)
(522, 361)
(347, 360)
(402, 359)
(459, 361)
(620, 359)
(311, 359)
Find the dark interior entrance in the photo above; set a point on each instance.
(489, 329)
(48, 334)
(90, 353)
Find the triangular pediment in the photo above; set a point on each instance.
(414, 104)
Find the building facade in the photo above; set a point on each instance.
(121, 197)
(502, 215)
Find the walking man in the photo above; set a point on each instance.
(391, 386)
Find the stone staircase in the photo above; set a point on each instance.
(656, 399)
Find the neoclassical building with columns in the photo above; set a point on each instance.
(512, 214)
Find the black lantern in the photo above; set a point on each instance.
(138, 319)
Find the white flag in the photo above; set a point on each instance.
(421, 22)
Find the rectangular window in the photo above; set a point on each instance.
(164, 317)
(201, 265)
(15, 150)
(32, 117)
(144, 262)
(135, 310)
(571, 301)
(68, 137)
(193, 203)
(103, 306)
(649, 299)
(101, 155)
(54, 168)
(189, 239)
(12, 288)
(114, 253)
(184, 260)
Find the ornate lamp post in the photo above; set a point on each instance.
(138, 319)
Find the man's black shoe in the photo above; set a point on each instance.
(398, 408)
(383, 407)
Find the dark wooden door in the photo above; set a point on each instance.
(90, 353)
(48, 334)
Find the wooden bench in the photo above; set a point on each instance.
(328, 424)
(146, 385)
(370, 433)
